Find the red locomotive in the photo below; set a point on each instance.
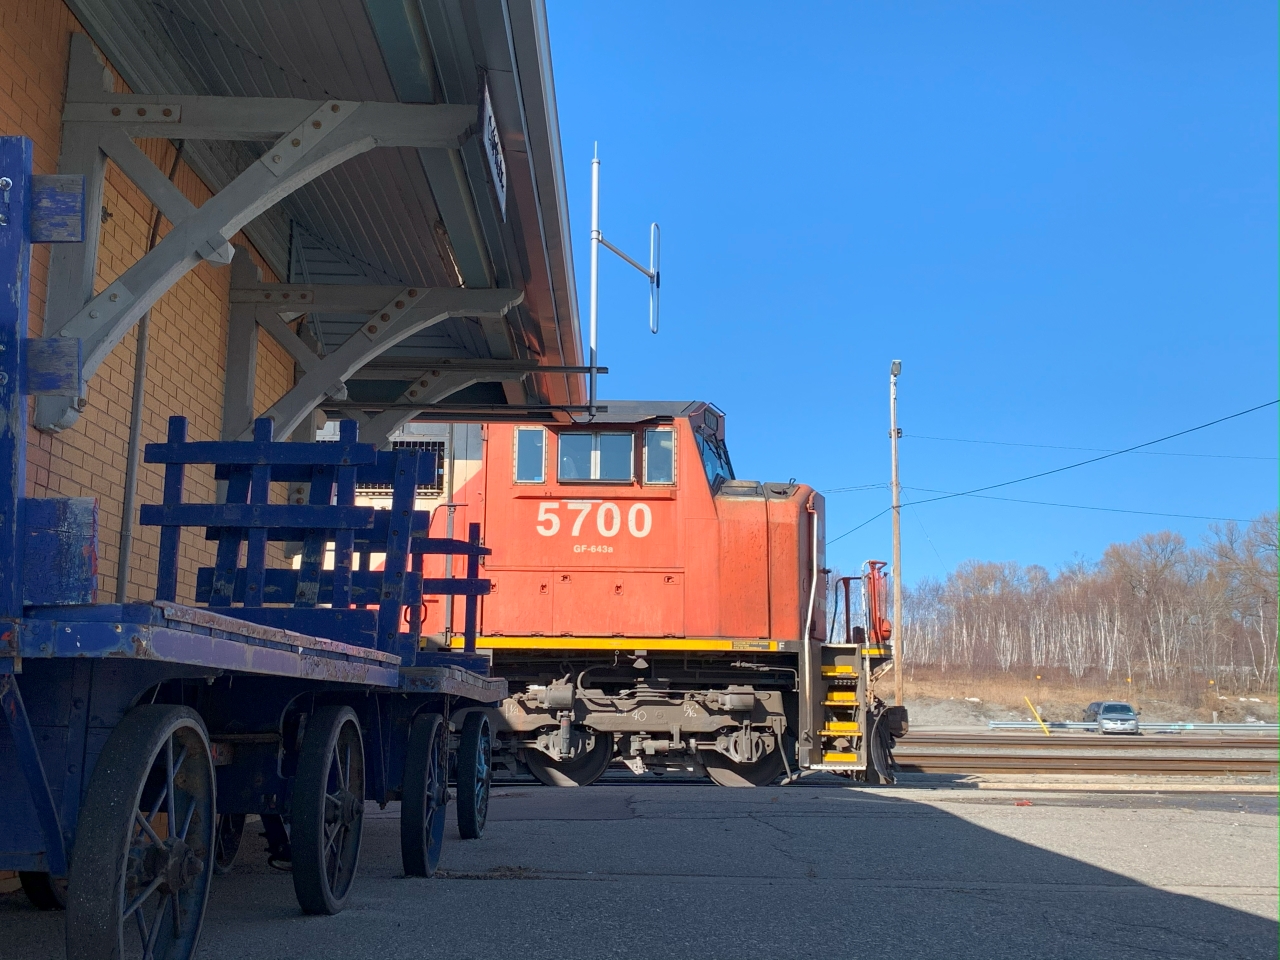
(649, 607)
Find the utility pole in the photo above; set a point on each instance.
(894, 433)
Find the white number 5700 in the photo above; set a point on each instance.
(608, 518)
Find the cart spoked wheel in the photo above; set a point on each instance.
(328, 810)
(44, 892)
(728, 773)
(582, 771)
(426, 795)
(143, 855)
(227, 838)
(475, 773)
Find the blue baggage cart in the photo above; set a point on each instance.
(138, 737)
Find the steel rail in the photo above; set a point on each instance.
(1048, 763)
(1057, 742)
(1152, 726)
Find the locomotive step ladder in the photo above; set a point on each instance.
(850, 731)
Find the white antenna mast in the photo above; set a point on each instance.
(597, 240)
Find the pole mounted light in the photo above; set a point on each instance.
(653, 272)
(895, 432)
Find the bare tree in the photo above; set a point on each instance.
(1153, 609)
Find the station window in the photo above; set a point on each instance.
(531, 460)
(597, 456)
(432, 489)
(660, 456)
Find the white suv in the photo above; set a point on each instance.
(1116, 717)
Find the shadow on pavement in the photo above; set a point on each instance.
(698, 871)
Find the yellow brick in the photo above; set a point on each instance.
(189, 330)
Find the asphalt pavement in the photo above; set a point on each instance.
(652, 869)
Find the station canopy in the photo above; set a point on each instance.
(489, 214)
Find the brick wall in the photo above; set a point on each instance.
(187, 351)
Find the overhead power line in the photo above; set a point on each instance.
(860, 526)
(1070, 466)
(1105, 456)
(1039, 503)
(1078, 506)
(865, 486)
(1050, 446)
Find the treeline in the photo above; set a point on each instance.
(1155, 610)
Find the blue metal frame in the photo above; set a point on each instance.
(15, 279)
(24, 742)
(247, 517)
(70, 669)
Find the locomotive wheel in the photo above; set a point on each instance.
(143, 856)
(226, 844)
(426, 795)
(44, 892)
(475, 772)
(328, 810)
(582, 771)
(726, 773)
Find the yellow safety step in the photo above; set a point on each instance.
(840, 728)
(841, 704)
(840, 670)
(839, 758)
(846, 696)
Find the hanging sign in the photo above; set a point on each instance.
(493, 150)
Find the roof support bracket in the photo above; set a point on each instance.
(317, 136)
(395, 313)
(426, 390)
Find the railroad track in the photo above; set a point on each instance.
(1057, 763)
(1088, 741)
(1171, 755)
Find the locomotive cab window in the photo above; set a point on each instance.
(660, 456)
(531, 457)
(597, 456)
(715, 460)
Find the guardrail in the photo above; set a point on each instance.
(1261, 728)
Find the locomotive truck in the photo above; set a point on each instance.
(649, 607)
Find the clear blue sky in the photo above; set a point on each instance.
(1061, 217)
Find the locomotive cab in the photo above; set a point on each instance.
(635, 527)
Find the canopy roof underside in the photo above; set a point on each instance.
(397, 216)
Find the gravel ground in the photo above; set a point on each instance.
(652, 869)
(933, 713)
